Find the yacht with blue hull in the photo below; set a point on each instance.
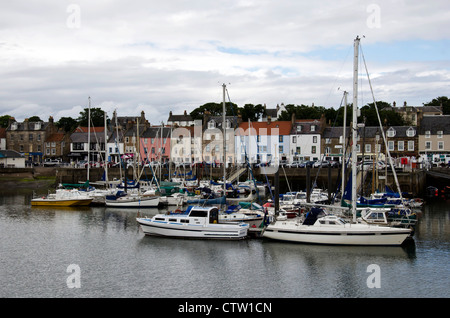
(196, 222)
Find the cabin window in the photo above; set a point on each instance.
(172, 220)
(214, 216)
(184, 220)
(198, 213)
(159, 219)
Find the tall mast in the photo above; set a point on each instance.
(224, 141)
(106, 151)
(89, 137)
(354, 124)
(344, 145)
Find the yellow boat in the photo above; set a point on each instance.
(63, 198)
(62, 202)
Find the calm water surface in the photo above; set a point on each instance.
(116, 260)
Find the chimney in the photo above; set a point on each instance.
(393, 104)
(404, 103)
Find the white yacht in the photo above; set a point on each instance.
(196, 222)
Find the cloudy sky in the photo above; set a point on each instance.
(157, 56)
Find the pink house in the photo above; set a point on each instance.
(155, 144)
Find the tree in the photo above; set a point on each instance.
(34, 119)
(4, 121)
(251, 112)
(441, 101)
(215, 109)
(97, 117)
(67, 123)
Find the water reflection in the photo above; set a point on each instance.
(118, 260)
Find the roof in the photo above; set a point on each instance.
(306, 126)
(28, 125)
(10, 154)
(435, 124)
(335, 132)
(83, 137)
(265, 127)
(155, 132)
(93, 129)
(55, 137)
(183, 117)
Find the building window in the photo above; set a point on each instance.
(299, 128)
(410, 145)
(391, 145)
(294, 139)
(440, 133)
(313, 149)
(401, 145)
(313, 128)
(280, 138)
(427, 134)
(314, 139)
(410, 132)
(440, 145)
(298, 150)
(368, 148)
(391, 132)
(280, 149)
(427, 145)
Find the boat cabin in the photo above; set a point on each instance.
(193, 213)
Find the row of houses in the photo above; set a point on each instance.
(184, 140)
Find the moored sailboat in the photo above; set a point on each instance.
(319, 228)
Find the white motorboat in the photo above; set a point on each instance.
(333, 230)
(196, 222)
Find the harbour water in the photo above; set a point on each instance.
(43, 248)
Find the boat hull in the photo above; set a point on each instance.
(125, 202)
(175, 229)
(378, 235)
(62, 202)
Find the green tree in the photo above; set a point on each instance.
(34, 119)
(67, 123)
(215, 109)
(251, 112)
(4, 121)
(441, 101)
(97, 117)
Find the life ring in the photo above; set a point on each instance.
(177, 211)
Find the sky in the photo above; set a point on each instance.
(161, 56)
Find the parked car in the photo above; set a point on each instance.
(293, 164)
(368, 165)
(321, 163)
(283, 163)
(51, 162)
(335, 164)
(305, 164)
